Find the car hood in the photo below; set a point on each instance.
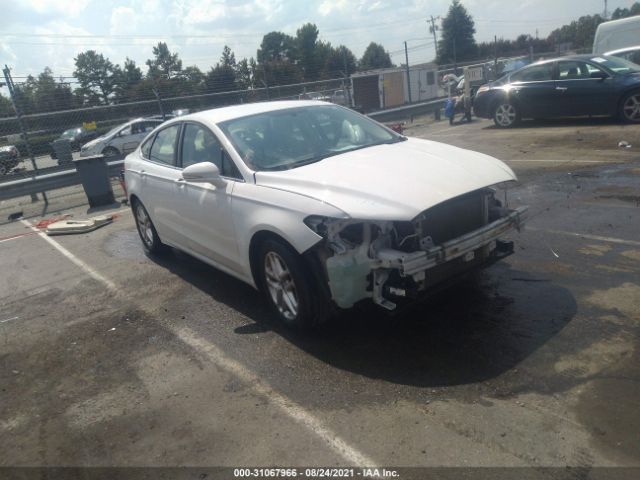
(392, 181)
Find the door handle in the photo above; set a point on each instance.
(561, 89)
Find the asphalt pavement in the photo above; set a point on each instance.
(110, 357)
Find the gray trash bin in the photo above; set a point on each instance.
(94, 174)
(62, 147)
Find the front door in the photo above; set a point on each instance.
(584, 89)
(206, 209)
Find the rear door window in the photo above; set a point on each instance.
(164, 146)
(535, 73)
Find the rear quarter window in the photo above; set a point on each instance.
(146, 146)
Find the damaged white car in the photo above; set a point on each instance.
(318, 206)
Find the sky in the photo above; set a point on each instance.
(38, 33)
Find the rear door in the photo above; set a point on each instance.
(159, 175)
(534, 90)
(583, 90)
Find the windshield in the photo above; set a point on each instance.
(115, 130)
(616, 64)
(289, 138)
(71, 133)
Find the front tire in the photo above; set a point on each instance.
(506, 115)
(630, 107)
(147, 231)
(288, 286)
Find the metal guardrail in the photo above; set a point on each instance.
(42, 181)
(404, 111)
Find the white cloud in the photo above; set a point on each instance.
(123, 21)
(204, 12)
(328, 6)
(71, 8)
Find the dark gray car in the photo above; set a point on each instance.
(572, 86)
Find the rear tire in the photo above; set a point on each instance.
(288, 286)
(506, 115)
(147, 231)
(630, 107)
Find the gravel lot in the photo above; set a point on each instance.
(111, 358)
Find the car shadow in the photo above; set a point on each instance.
(472, 332)
(560, 122)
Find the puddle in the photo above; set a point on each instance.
(125, 244)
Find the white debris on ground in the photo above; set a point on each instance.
(67, 227)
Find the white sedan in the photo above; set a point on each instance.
(318, 206)
(120, 140)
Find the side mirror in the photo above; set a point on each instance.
(599, 75)
(203, 172)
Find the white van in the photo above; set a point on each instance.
(617, 34)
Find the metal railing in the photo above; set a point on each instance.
(49, 179)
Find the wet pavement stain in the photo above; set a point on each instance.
(605, 405)
(125, 244)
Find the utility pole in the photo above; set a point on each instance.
(23, 130)
(406, 57)
(433, 30)
(495, 57)
(455, 54)
(606, 10)
(346, 76)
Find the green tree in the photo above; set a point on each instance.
(458, 30)
(164, 64)
(276, 60)
(276, 47)
(245, 73)
(626, 12)
(375, 56)
(222, 77)
(192, 80)
(308, 51)
(95, 75)
(6, 107)
(579, 33)
(49, 95)
(125, 79)
(340, 61)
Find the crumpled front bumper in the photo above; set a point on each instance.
(415, 262)
(419, 264)
(384, 273)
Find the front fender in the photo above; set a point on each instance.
(257, 208)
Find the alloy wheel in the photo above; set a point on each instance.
(505, 115)
(281, 286)
(631, 108)
(144, 226)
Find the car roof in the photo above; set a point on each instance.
(583, 56)
(223, 114)
(622, 50)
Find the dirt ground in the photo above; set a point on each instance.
(110, 358)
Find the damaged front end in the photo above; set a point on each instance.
(389, 261)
